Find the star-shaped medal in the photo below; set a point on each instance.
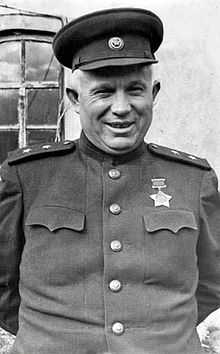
(161, 198)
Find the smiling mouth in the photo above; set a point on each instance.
(120, 125)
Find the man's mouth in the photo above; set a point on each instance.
(120, 125)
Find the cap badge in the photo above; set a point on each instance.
(116, 43)
(160, 198)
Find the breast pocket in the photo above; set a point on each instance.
(170, 246)
(171, 220)
(54, 232)
(56, 217)
(55, 244)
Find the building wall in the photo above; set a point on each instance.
(187, 111)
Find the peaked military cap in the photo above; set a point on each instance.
(118, 36)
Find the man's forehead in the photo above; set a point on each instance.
(90, 81)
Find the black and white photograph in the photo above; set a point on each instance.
(109, 177)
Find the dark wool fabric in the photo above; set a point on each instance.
(56, 260)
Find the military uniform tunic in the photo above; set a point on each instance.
(94, 264)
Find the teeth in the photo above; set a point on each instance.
(120, 125)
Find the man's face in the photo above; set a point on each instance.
(115, 106)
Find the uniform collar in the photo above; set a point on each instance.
(91, 150)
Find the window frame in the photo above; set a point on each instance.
(24, 85)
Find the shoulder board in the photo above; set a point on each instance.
(180, 156)
(34, 152)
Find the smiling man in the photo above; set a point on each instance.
(115, 107)
(108, 244)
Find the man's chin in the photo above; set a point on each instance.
(119, 148)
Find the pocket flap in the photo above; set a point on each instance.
(172, 220)
(56, 217)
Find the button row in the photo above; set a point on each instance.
(116, 246)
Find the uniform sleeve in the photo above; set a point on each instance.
(11, 245)
(208, 292)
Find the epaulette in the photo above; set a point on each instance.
(180, 156)
(37, 151)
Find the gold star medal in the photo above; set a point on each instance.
(160, 198)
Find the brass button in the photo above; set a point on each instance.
(118, 328)
(116, 246)
(114, 173)
(115, 209)
(115, 285)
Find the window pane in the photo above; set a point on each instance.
(41, 65)
(10, 67)
(40, 136)
(8, 106)
(42, 106)
(8, 142)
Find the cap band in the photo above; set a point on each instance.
(110, 48)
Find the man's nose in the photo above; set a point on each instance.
(120, 104)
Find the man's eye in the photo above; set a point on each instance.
(103, 92)
(136, 89)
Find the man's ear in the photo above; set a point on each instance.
(156, 88)
(74, 98)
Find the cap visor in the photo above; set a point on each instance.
(116, 62)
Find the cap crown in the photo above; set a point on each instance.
(119, 36)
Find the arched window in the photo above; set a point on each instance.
(31, 80)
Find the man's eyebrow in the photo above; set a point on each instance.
(137, 82)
